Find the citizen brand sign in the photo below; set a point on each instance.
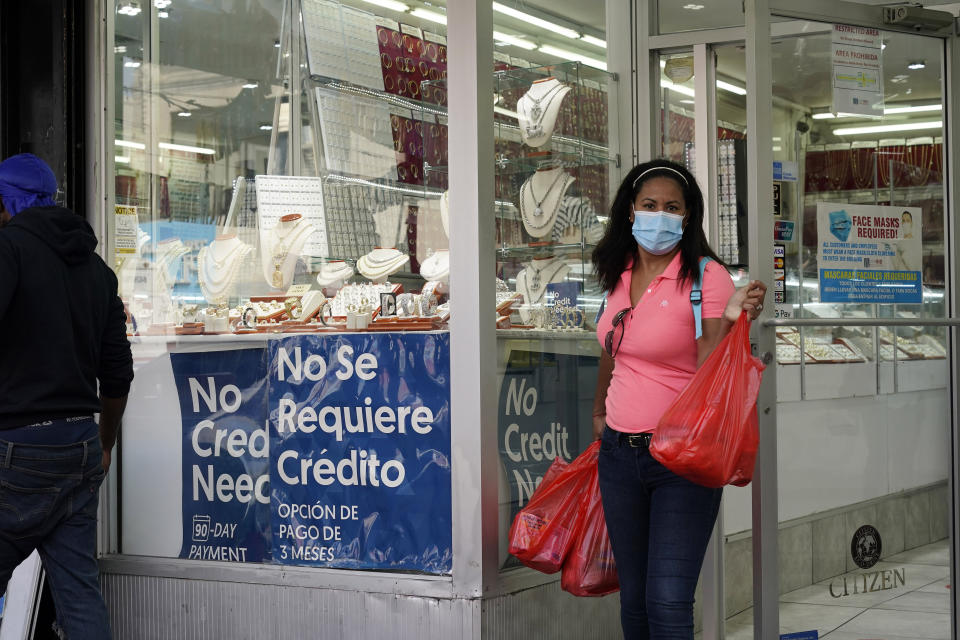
(865, 548)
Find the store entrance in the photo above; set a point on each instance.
(858, 252)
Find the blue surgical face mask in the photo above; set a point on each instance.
(658, 232)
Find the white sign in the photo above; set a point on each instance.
(857, 70)
(125, 230)
(785, 170)
(278, 196)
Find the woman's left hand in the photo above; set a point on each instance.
(749, 299)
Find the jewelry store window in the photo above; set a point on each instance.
(280, 237)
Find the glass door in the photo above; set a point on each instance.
(863, 412)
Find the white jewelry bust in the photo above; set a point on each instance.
(538, 108)
(445, 212)
(532, 282)
(540, 198)
(381, 263)
(436, 268)
(219, 264)
(281, 247)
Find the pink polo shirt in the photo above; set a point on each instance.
(658, 355)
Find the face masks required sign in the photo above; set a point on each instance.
(869, 254)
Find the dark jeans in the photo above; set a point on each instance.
(659, 526)
(48, 502)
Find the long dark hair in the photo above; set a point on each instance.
(618, 245)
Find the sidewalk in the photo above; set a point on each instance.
(918, 608)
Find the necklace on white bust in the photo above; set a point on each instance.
(380, 263)
(282, 248)
(333, 272)
(533, 280)
(436, 268)
(445, 212)
(167, 254)
(538, 108)
(218, 265)
(540, 214)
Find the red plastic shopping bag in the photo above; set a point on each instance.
(545, 529)
(589, 569)
(709, 433)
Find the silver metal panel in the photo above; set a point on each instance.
(760, 239)
(645, 85)
(473, 400)
(951, 149)
(147, 608)
(548, 613)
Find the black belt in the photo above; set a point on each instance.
(638, 440)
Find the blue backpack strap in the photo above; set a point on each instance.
(696, 297)
(603, 305)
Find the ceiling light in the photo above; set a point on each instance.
(266, 127)
(516, 41)
(184, 114)
(129, 8)
(679, 88)
(693, 7)
(130, 145)
(121, 159)
(389, 4)
(276, 44)
(884, 128)
(918, 64)
(162, 4)
(687, 101)
(132, 64)
(163, 14)
(826, 115)
(186, 148)
(917, 109)
(570, 55)
(597, 42)
(250, 84)
(732, 88)
(120, 48)
(433, 16)
(543, 24)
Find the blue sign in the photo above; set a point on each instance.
(801, 635)
(785, 171)
(783, 230)
(360, 451)
(865, 285)
(225, 460)
(541, 417)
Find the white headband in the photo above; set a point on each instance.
(637, 179)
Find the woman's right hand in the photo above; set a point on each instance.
(599, 422)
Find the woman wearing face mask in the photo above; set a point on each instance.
(659, 523)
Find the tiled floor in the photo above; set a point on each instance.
(918, 609)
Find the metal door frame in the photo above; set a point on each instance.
(756, 35)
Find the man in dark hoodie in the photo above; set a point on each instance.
(62, 331)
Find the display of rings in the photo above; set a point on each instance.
(408, 43)
(386, 61)
(434, 73)
(414, 88)
(293, 307)
(383, 36)
(395, 36)
(408, 65)
(325, 313)
(249, 318)
(423, 68)
(432, 51)
(399, 62)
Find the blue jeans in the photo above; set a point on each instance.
(659, 526)
(48, 502)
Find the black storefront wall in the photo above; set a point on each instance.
(42, 88)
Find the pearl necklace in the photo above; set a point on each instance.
(216, 277)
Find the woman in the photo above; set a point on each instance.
(659, 523)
